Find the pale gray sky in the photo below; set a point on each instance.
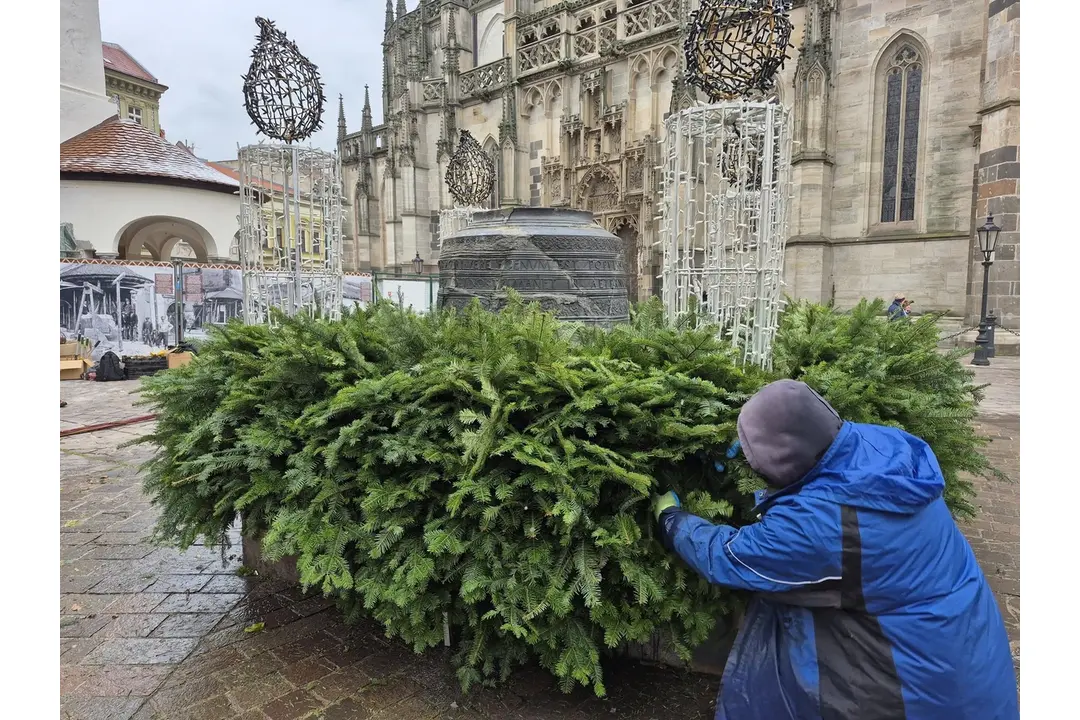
(200, 49)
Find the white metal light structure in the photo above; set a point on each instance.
(290, 231)
(455, 219)
(725, 193)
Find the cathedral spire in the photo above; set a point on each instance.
(389, 14)
(401, 9)
(451, 62)
(366, 123)
(341, 118)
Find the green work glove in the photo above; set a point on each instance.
(663, 502)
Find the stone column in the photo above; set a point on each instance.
(808, 266)
(999, 167)
(508, 125)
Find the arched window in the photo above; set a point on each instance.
(903, 83)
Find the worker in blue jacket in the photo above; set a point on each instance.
(868, 602)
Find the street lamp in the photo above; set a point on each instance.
(988, 235)
(418, 264)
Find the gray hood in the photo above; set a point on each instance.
(784, 429)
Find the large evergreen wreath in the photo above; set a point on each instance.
(498, 467)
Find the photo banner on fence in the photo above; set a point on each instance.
(129, 308)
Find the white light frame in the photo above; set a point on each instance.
(299, 182)
(723, 220)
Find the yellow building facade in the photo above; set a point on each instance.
(132, 88)
(279, 224)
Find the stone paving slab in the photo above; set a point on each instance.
(151, 633)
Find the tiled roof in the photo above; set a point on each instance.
(102, 272)
(235, 175)
(229, 293)
(119, 60)
(124, 147)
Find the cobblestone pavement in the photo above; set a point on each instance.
(149, 632)
(995, 533)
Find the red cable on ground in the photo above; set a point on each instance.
(107, 426)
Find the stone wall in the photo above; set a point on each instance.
(930, 272)
(999, 165)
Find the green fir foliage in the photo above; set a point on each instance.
(891, 373)
(498, 468)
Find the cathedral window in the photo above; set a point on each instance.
(900, 147)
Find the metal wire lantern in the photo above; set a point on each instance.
(470, 174)
(283, 94)
(734, 48)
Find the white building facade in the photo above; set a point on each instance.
(83, 102)
(125, 192)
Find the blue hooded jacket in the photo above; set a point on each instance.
(868, 601)
(896, 310)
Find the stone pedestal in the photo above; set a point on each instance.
(283, 570)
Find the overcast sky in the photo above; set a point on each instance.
(200, 49)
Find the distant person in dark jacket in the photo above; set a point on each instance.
(868, 602)
(898, 309)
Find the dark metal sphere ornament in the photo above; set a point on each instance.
(470, 174)
(283, 94)
(734, 48)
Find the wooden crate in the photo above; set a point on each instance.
(73, 368)
(179, 359)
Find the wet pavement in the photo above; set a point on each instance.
(149, 632)
(995, 533)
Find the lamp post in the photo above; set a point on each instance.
(418, 264)
(988, 235)
(178, 296)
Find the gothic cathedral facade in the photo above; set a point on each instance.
(906, 130)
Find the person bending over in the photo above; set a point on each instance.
(868, 603)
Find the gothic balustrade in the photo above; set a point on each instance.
(540, 44)
(433, 92)
(594, 40)
(485, 78)
(642, 16)
(541, 54)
